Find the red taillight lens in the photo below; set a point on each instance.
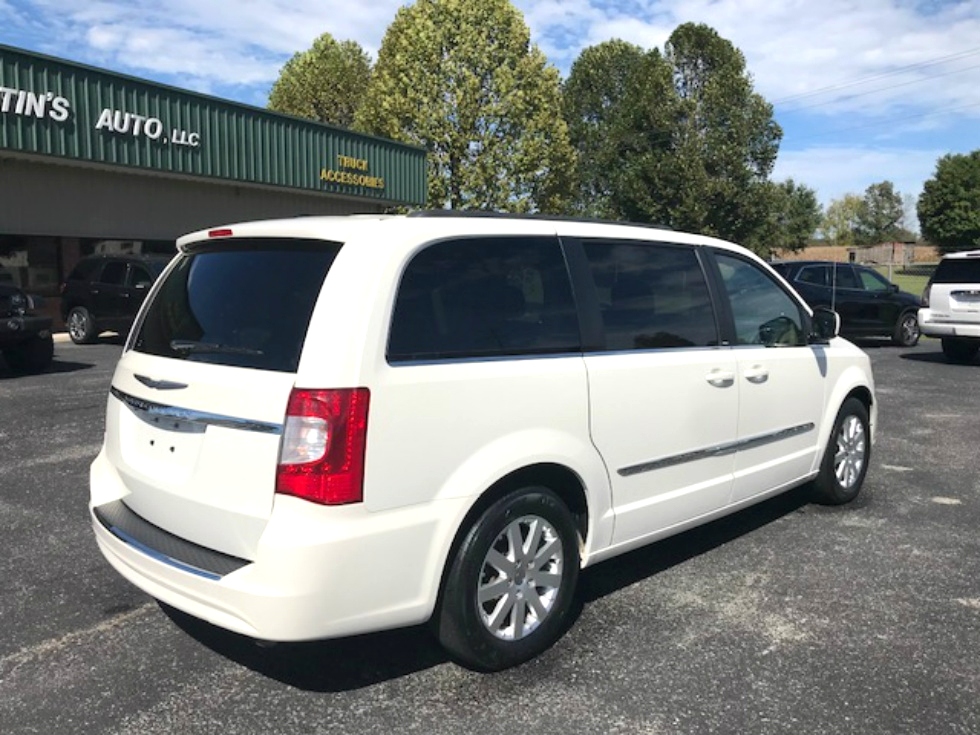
(223, 232)
(924, 301)
(324, 437)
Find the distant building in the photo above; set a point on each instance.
(94, 161)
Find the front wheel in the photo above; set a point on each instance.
(510, 586)
(845, 461)
(81, 326)
(907, 330)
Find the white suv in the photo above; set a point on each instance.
(329, 426)
(951, 305)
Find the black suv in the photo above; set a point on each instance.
(25, 335)
(868, 303)
(104, 292)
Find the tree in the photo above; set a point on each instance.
(949, 206)
(840, 220)
(689, 143)
(793, 215)
(324, 83)
(879, 219)
(461, 78)
(592, 98)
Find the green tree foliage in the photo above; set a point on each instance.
(461, 78)
(324, 83)
(881, 216)
(840, 220)
(688, 142)
(593, 99)
(949, 206)
(793, 216)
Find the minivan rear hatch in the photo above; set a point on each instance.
(195, 415)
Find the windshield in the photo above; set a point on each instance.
(245, 303)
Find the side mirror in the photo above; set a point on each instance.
(826, 324)
(892, 288)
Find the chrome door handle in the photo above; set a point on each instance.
(720, 378)
(757, 374)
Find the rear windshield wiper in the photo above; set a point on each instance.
(188, 346)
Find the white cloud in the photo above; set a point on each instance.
(839, 139)
(796, 46)
(835, 171)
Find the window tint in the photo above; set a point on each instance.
(484, 297)
(138, 275)
(83, 270)
(113, 273)
(246, 304)
(764, 313)
(652, 296)
(817, 275)
(872, 281)
(846, 278)
(958, 270)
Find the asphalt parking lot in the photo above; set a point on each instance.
(786, 618)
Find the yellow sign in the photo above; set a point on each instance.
(347, 173)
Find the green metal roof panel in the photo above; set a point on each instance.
(51, 107)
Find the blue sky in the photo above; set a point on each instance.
(866, 90)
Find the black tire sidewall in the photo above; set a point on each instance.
(458, 623)
(899, 336)
(828, 489)
(89, 325)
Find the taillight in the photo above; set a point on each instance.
(321, 458)
(924, 301)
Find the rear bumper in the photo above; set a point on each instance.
(933, 325)
(318, 572)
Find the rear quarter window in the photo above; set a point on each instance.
(244, 303)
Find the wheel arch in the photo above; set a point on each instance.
(558, 478)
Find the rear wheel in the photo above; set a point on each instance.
(32, 356)
(960, 350)
(907, 330)
(81, 326)
(510, 586)
(845, 461)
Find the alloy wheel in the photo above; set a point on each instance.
(851, 452)
(520, 578)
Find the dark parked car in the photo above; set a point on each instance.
(868, 303)
(25, 335)
(104, 292)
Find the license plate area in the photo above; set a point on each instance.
(163, 447)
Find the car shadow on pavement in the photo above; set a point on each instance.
(648, 561)
(346, 664)
(57, 366)
(336, 665)
(935, 357)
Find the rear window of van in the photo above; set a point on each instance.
(243, 303)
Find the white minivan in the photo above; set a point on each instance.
(325, 426)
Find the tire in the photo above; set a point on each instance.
(845, 461)
(907, 330)
(81, 326)
(503, 626)
(30, 357)
(960, 350)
